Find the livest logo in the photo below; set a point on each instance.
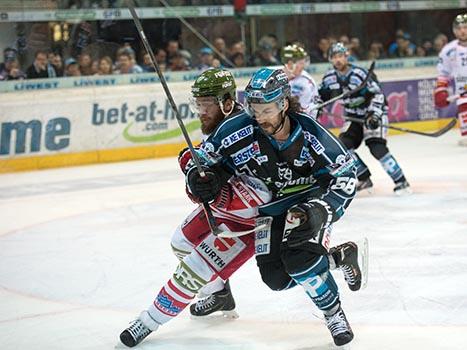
(16, 136)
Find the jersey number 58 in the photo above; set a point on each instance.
(346, 184)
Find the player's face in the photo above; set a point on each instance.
(267, 115)
(460, 32)
(339, 61)
(299, 66)
(209, 113)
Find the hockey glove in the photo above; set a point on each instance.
(372, 122)
(204, 189)
(441, 92)
(312, 216)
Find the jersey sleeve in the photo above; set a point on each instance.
(371, 91)
(329, 87)
(444, 63)
(337, 177)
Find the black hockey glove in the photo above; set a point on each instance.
(372, 122)
(204, 189)
(313, 217)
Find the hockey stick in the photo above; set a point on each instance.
(349, 92)
(436, 133)
(207, 209)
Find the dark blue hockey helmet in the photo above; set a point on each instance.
(337, 48)
(267, 85)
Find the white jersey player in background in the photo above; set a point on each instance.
(302, 84)
(452, 65)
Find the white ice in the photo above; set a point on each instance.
(83, 250)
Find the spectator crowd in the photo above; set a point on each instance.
(172, 57)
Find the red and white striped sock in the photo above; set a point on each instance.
(170, 301)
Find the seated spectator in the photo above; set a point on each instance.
(126, 65)
(171, 49)
(179, 63)
(105, 66)
(355, 49)
(265, 54)
(344, 39)
(439, 42)
(9, 69)
(238, 47)
(206, 56)
(428, 47)
(85, 64)
(161, 58)
(146, 62)
(321, 55)
(56, 60)
(376, 51)
(72, 68)
(40, 68)
(403, 48)
(238, 59)
(8, 53)
(219, 44)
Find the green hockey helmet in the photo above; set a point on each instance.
(292, 53)
(459, 20)
(215, 82)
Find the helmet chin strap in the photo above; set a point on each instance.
(226, 114)
(281, 124)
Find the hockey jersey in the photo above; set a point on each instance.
(304, 87)
(310, 163)
(452, 64)
(368, 100)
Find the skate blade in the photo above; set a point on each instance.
(404, 192)
(229, 315)
(363, 259)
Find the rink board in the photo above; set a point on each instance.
(67, 127)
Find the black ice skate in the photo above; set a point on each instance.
(402, 188)
(137, 331)
(339, 327)
(219, 301)
(365, 185)
(352, 259)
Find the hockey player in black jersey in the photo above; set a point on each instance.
(370, 105)
(205, 257)
(312, 180)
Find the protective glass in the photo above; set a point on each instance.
(199, 105)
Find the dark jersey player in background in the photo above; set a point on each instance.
(370, 105)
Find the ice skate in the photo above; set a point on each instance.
(365, 185)
(352, 259)
(219, 301)
(402, 188)
(138, 330)
(339, 327)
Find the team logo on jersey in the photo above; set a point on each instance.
(208, 147)
(305, 157)
(237, 136)
(219, 252)
(245, 154)
(284, 172)
(315, 144)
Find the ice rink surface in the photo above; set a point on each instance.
(83, 250)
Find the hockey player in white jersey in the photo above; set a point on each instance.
(452, 66)
(302, 84)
